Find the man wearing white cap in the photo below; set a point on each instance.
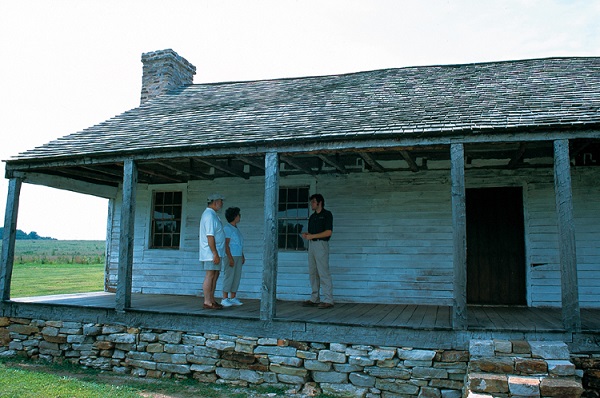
(212, 248)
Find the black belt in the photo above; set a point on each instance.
(325, 240)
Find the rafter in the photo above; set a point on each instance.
(289, 160)
(412, 165)
(226, 169)
(518, 156)
(97, 174)
(334, 163)
(251, 162)
(371, 162)
(185, 171)
(160, 175)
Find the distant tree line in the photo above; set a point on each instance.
(26, 236)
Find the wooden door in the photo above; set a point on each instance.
(495, 246)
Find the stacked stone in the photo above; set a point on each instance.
(589, 364)
(310, 368)
(500, 368)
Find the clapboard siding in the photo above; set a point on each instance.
(392, 240)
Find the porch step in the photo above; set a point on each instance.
(519, 368)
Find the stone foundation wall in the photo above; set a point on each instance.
(589, 364)
(335, 368)
(491, 368)
(500, 368)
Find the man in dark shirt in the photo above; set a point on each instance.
(320, 228)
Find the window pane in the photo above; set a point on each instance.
(177, 212)
(177, 197)
(303, 196)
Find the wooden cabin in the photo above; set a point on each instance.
(457, 185)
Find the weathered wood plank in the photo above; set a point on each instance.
(126, 236)
(459, 227)
(9, 236)
(392, 315)
(566, 231)
(399, 140)
(481, 318)
(69, 184)
(270, 249)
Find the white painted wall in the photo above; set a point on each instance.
(392, 240)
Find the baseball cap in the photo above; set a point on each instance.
(215, 196)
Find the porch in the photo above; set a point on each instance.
(423, 326)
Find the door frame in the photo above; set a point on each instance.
(526, 293)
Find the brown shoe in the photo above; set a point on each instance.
(309, 303)
(323, 306)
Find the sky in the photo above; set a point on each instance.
(69, 64)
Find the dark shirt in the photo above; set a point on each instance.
(319, 222)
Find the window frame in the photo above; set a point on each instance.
(292, 242)
(179, 220)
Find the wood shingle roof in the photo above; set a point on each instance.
(561, 93)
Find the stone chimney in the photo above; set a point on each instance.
(164, 70)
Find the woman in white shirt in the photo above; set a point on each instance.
(234, 249)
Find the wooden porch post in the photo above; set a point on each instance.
(130, 176)
(566, 230)
(459, 228)
(9, 236)
(269, 280)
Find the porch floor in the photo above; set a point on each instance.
(420, 317)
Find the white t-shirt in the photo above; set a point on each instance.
(236, 243)
(210, 224)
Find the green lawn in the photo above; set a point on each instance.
(45, 267)
(45, 279)
(22, 383)
(23, 378)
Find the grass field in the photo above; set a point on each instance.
(59, 251)
(23, 378)
(44, 267)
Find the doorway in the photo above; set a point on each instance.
(495, 246)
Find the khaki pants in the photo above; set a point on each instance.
(318, 271)
(231, 282)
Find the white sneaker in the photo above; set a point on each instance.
(235, 301)
(226, 302)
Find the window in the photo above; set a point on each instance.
(166, 220)
(292, 218)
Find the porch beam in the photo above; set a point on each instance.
(180, 170)
(566, 237)
(225, 169)
(412, 165)
(514, 161)
(251, 162)
(459, 228)
(270, 253)
(292, 162)
(332, 162)
(390, 141)
(9, 236)
(159, 175)
(371, 162)
(126, 236)
(68, 184)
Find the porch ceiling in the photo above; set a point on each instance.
(169, 170)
